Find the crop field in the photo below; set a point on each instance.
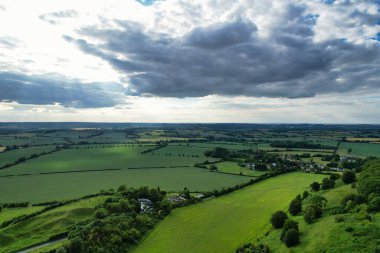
(211, 145)
(39, 188)
(99, 158)
(41, 227)
(224, 223)
(359, 149)
(232, 167)
(10, 157)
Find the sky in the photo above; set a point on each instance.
(251, 61)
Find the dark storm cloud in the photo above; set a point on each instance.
(44, 90)
(56, 17)
(231, 59)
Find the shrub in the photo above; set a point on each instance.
(278, 219)
(295, 207)
(251, 248)
(305, 194)
(374, 204)
(312, 212)
(349, 229)
(315, 186)
(291, 238)
(348, 177)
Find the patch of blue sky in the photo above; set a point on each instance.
(146, 2)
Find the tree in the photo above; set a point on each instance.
(368, 181)
(305, 194)
(374, 204)
(312, 212)
(327, 184)
(186, 193)
(289, 224)
(295, 207)
(165, 207)
(291, 238)
(315, 186)
(334, 176)
(278, 219)
(348, 177)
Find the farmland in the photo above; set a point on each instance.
(222, 224)
(360, 149)
(39, 188)
(228, 180)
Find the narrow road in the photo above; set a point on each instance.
(42, 245)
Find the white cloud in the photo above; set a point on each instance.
(32, 42)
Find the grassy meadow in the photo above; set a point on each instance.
(224, 223)
(41, 227)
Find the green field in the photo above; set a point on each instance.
(97, 158)
(224, 223)
(10, 157)
(10, 213)
(39, 188)
(41, 227)
(232, 167)
(359, 149)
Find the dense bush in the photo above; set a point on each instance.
(118, 223)
(374, 204)
(348, 177)
(315, 209)
(278, 219)
(327, 184)
(295, 207)
(334, 176)
(251, 248)
(291, 237)
(315, 186)
(369, 178)
(289, 224)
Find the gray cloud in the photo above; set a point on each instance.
(231, 59)
(49, 89)
(56, 17)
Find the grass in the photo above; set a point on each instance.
(41, 227)
(232, 167)
(224, 223)
(39, 188)
(10, 213)
(327, 235)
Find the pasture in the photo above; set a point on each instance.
(224, 223)
(39, 188)
(359, 149)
